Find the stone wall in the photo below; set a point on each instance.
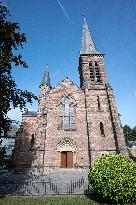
(39, 142)
(54, 136)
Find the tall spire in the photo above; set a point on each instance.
(46, 78)
(88, 45)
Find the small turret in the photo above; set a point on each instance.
(45, 88)
(46, 78)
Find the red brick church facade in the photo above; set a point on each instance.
(73, 125)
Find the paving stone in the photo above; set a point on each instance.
(63, 181)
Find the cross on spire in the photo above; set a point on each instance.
(88, 45)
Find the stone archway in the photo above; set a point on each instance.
(67, 149)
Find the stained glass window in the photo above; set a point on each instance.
(72, 117)
(61, 111)
(67, 115)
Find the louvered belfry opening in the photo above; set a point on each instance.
(66, 159)
(97, 72)
(91, 71)
(94, 71)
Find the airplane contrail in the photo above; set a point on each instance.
(64, 11)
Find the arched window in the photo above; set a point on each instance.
(98, 102)
(97, 72)
(61, 111)
(94, 71)
(72, 117)
(102, 129)
(32, 139)
(91, 71)
(67, 115)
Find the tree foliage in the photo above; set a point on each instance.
(130, 134)
(133, 133)
(3, 157)
(11, 40)
(114, 177)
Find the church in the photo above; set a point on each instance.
(74, 125)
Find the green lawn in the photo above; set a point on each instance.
(51, 200)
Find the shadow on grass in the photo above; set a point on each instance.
(1, 197)
(97, 198)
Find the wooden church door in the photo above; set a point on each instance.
(63, 159)
(66, 159)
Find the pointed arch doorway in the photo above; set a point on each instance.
(67, 149)
(66, 159)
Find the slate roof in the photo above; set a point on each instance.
(88, 45)
(46, 78)
(30, 113)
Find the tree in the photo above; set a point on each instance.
(133, 134)
(130, 134)
(3, 157)
(127, 132)
(11, 40)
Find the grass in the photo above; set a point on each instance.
(53, 200)
(50, 200)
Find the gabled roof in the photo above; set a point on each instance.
(66, 80)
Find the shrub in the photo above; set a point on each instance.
(114, 177)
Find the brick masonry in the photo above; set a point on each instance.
(39, 142)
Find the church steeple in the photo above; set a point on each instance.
(91, 62)
(88, 45)
(46, 78)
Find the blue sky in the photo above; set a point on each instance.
(54, 31)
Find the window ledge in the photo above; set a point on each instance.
(67, 129)
(102, 135)
(70, 129)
